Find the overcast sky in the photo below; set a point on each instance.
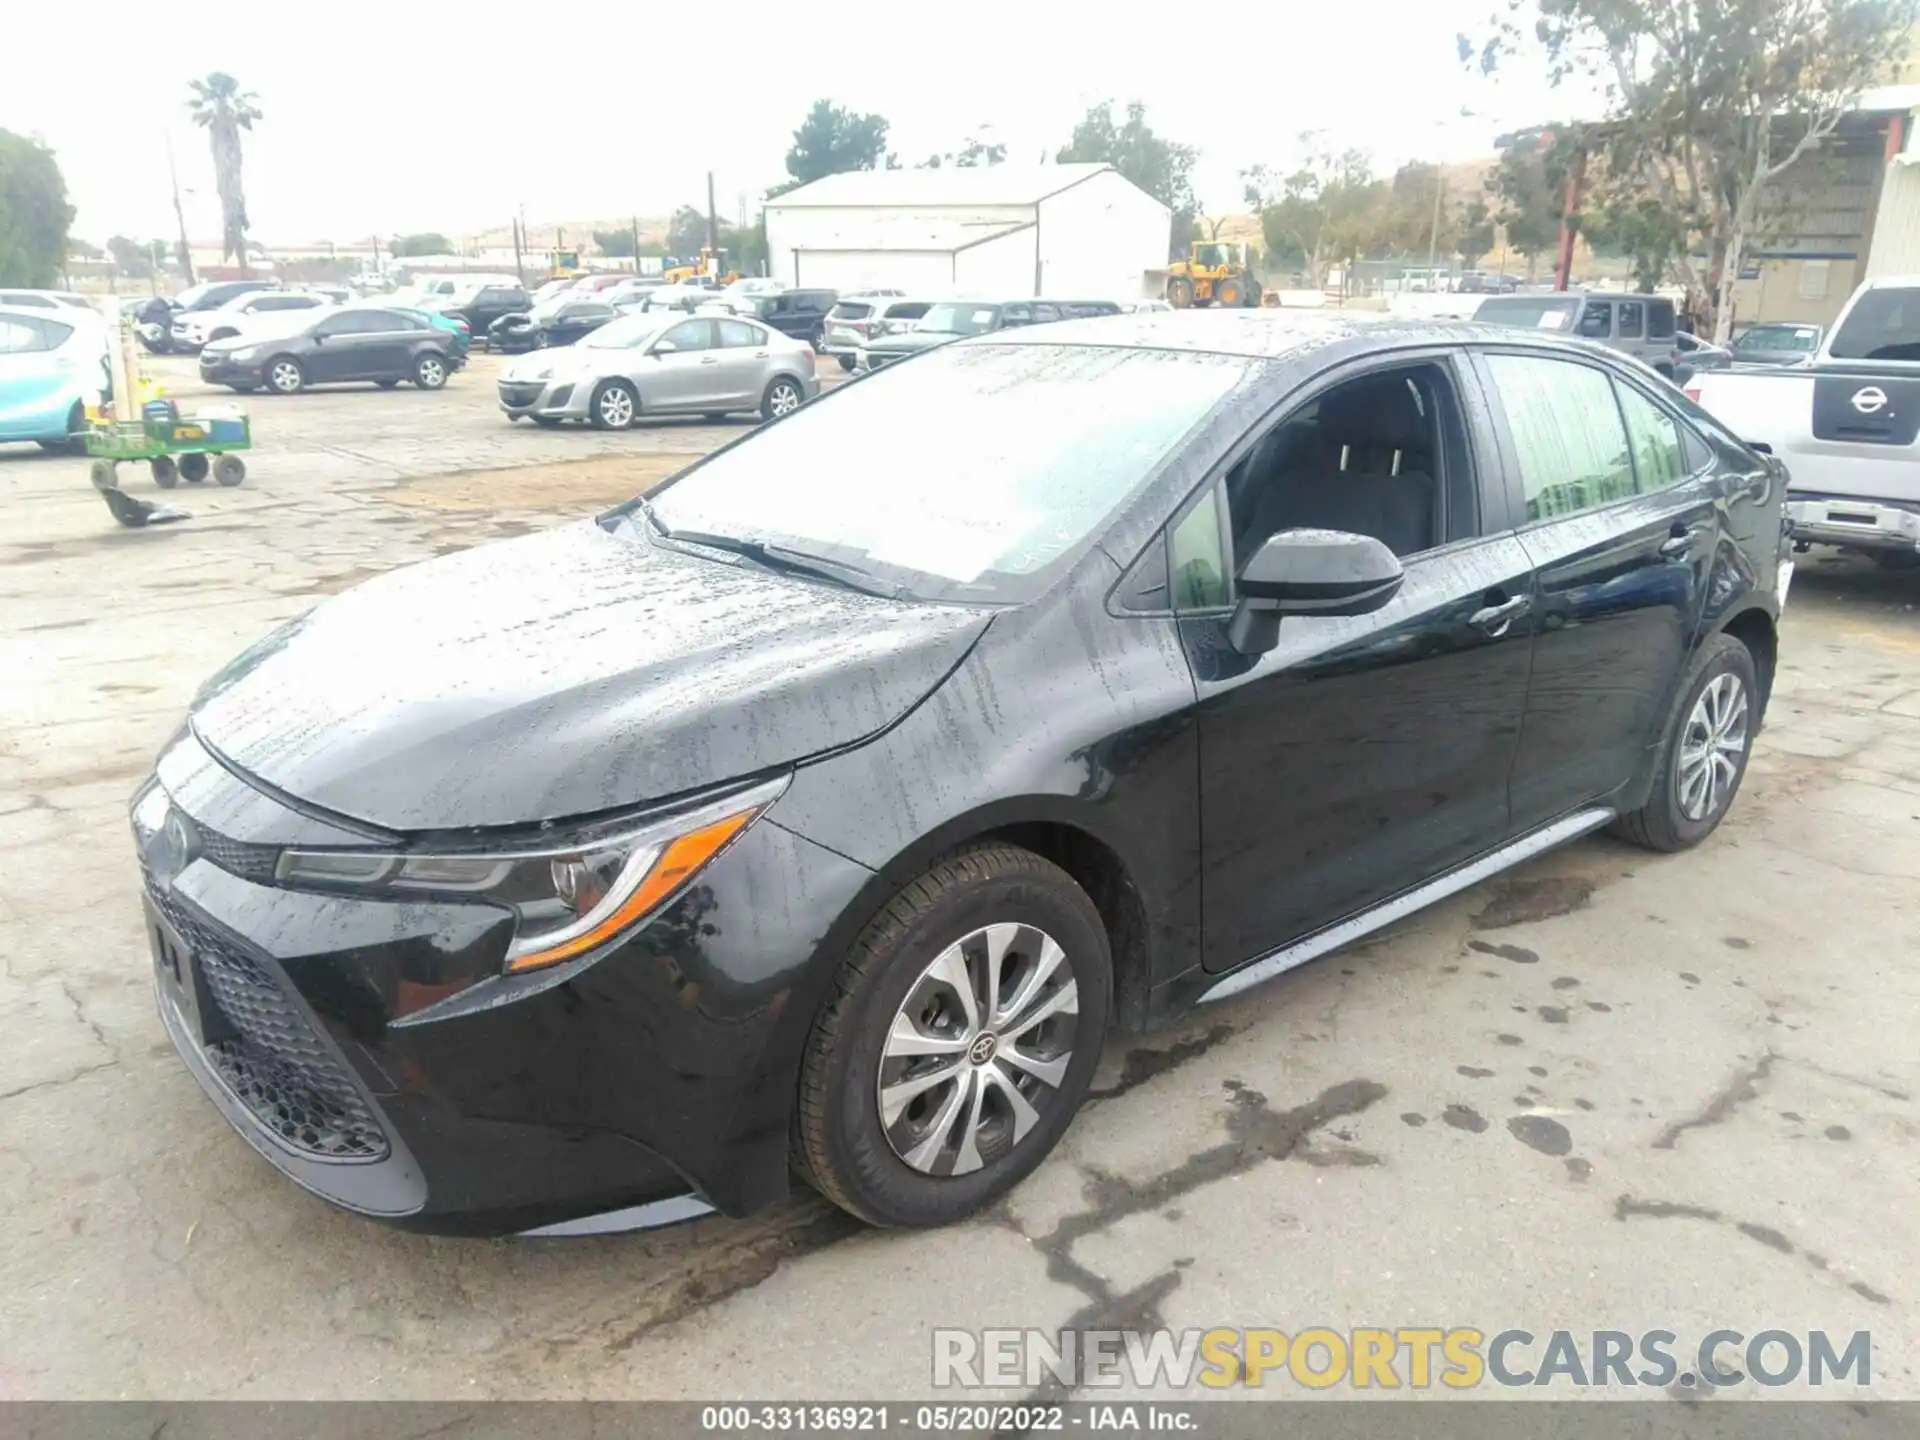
(396, 118)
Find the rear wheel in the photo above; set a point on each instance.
(1896, 559)
(1705, 754)
(783, 397)
(284, 375)
(958, 1041)
(614, 406)
(1229, 292)
(165, 473)
(430, 371)
(76, 441)
(229, 470)
(846, 363)
(193, 468)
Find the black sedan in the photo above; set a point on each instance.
(559, 323)
(622, 871)
(370, 343)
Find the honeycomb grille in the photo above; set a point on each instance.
(276, 1066)
(237, 857)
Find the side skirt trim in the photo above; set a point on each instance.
(1547, 837)
(671, 1211)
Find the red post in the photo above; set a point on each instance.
(1569, 211)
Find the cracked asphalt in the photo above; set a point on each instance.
(1608, 1091)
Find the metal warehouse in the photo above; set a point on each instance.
(1080, 231)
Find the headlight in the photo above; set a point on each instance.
(568, 897)
(244, 354)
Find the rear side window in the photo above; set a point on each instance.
(738, 334)
(19, 337)
(851, 310)
(908, 309)
(1596, 320)
(1884, 324)
(1567, 434)
(1659, 458)
(1660, 320)
(1633, 319)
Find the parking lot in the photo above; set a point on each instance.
(1607, 1091)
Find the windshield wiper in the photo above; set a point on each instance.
(792, 562)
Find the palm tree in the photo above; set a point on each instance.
(220, 105)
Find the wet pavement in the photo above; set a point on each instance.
(1609, 1091)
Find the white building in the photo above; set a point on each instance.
(1080, 232)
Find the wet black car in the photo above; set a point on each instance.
(560, 322)
(618, 872)
(288, 354)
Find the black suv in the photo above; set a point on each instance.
(799, 313)
(384, 346)
(756, 829)
(488, 304)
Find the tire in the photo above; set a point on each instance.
(1717, 717)
(846, 363)
(76, 441)
(165, 473)
(285, 376)
(430, 371)
(1896, 559)
(243, 389)
(614, 406)
(783, 397)
(388, 384)
(1180, 292)
(194, 468)
(1229, 292)
(547, 422)
(929, 1165)
(229, 470)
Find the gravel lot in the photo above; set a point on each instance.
(1609, 1091)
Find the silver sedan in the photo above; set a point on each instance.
(653, 364)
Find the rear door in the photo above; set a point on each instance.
(1622, 514)
(684, 377)
(744, 356)
(32, 385)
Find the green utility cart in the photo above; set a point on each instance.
(175, 446)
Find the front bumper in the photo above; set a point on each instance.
(374, 1054)
(224, 370)
(1859, 524)
(550, 399)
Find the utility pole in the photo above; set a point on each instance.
(519, 258)
(1433, 236)
(180, 215)
(713, 226)
(633, 223)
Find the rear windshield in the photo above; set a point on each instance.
(851, 310)
(1884, 324)
(1534, 312)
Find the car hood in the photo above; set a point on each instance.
(564, 674)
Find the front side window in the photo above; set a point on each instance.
(1596, 321)
(1197, 561)
(1659, 459)
(1022, 453)
(1567, 434)
(690, 335)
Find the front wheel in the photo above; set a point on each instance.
(388, 384)
(430, 372)
(229, 470)
(958, 1042)
(193, 468)
(614, 406)
(1705, 755)
(285, 377)
(165, 473)
(846, 363)
(783, 397)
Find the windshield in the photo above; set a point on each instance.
(625, 333)
(958, 319)
(1013, 456)
(1212, 256)
(1794, 339)
(1538, 312)
(1883, 324)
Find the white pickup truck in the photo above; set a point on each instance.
(1847, 426)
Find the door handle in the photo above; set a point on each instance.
(1496, 618)
(1680, 542)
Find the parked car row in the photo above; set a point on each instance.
(950, 319)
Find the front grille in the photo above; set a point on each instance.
(519, 394)
(274, 1062)
(237, 857)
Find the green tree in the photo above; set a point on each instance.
(34, 213)
(1710, 101)
(1474, 232)
(1638, 230)
(614, 243)
(831, 141)
(1161, 167)
(1327, 209)
(686, 233)
(1529, 184)
(980, 149)
(223, 109)
(427, 242)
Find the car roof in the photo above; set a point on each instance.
(1270, 333)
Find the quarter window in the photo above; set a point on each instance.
(1199, 565)
(1659, 459)
(18, 337)
(1567, 434)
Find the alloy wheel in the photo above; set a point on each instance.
(1712, 747)
(432, 373)
(978, 1050)
(783, 400)
(285, 377)
(616, 407)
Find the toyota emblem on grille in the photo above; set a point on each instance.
(1869, 399)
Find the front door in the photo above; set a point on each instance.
(685, 374)
(1622, 519)
(339, 351)
(1364, 754)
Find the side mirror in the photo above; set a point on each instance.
(1309, 572)
(664, 347)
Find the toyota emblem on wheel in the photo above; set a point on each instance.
(1869, 399)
